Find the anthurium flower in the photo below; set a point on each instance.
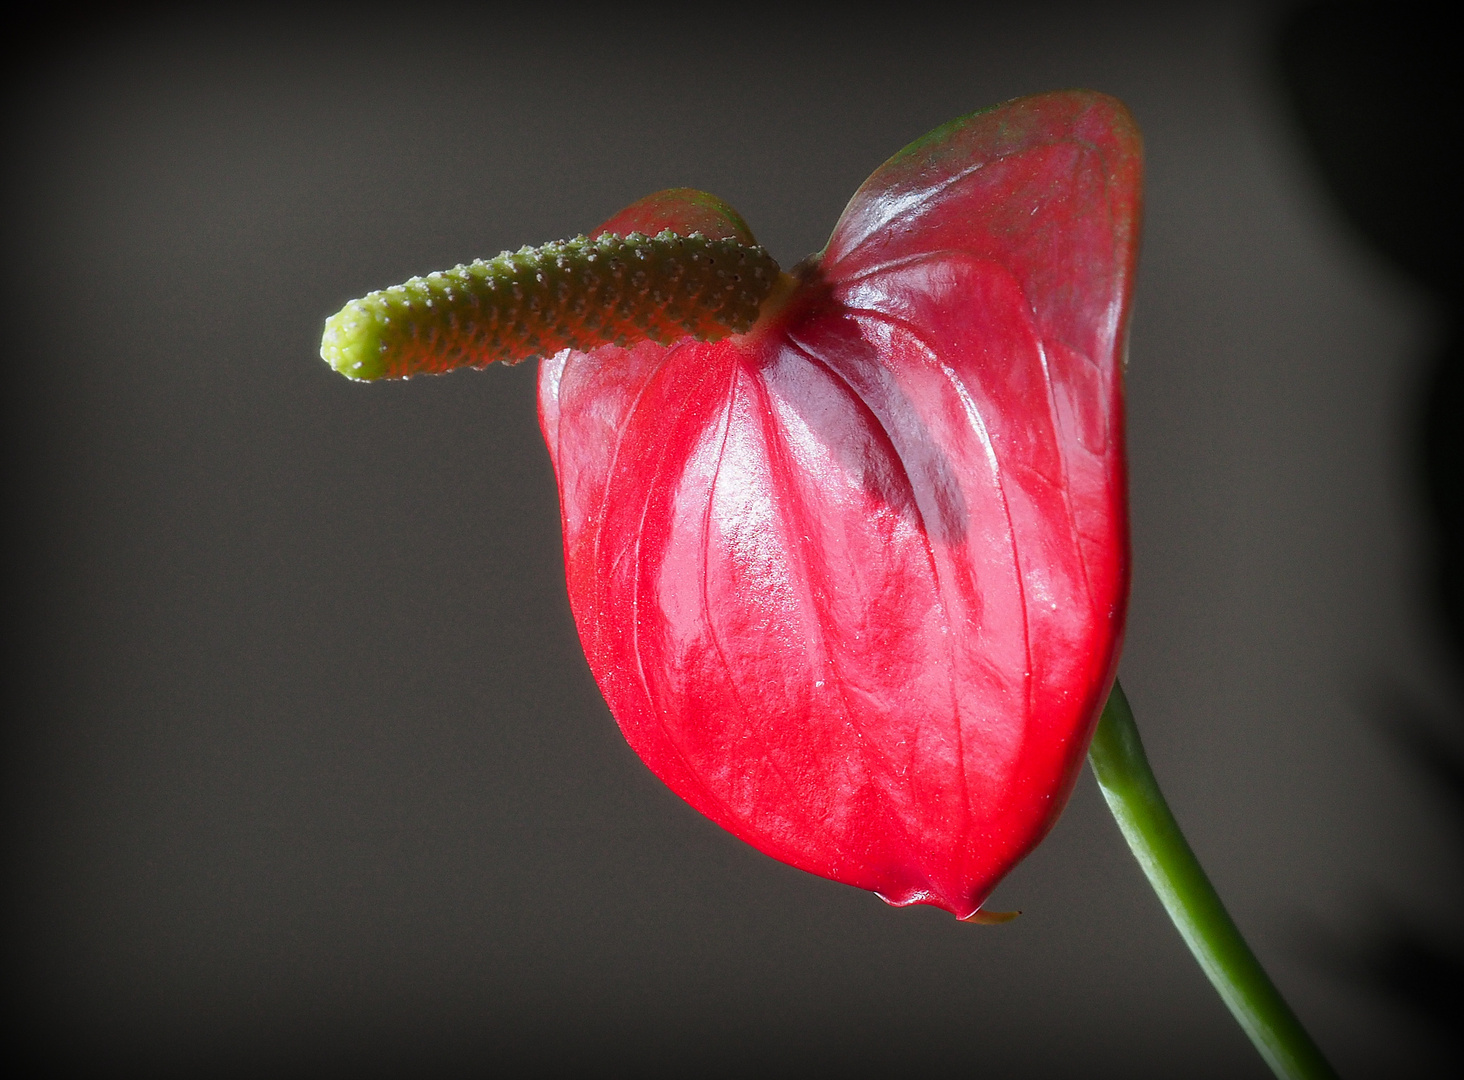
(848, 547)
(851, 576)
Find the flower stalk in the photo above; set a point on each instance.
(1128, 784)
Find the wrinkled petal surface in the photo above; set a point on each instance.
(853, 584)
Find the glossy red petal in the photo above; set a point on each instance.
(853, 584)
(684, 211)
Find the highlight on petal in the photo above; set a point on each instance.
(853, 583)
(683, 211)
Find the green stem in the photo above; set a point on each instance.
(1133, 795)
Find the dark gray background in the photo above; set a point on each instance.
(307, 773)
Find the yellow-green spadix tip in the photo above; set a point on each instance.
(352, 343)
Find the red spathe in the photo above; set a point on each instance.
(853, 584)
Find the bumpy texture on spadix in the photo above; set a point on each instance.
(853, 582)
(576, 293)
